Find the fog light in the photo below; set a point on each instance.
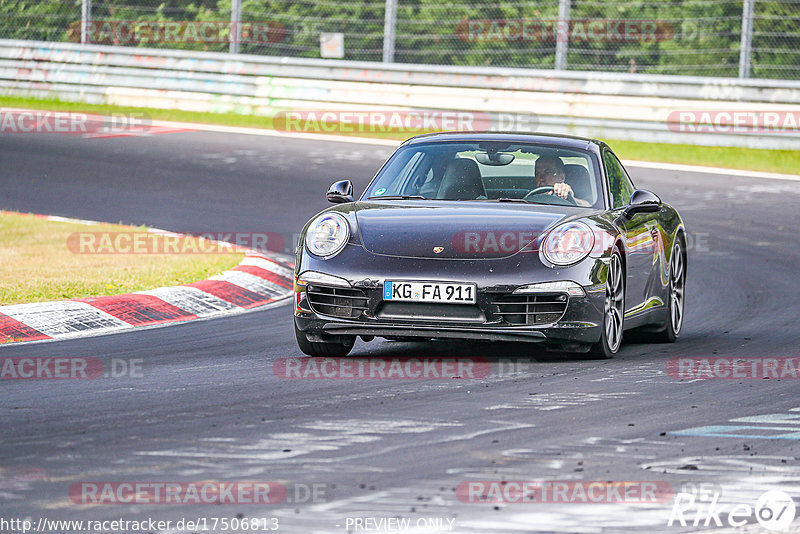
(314, 277)
(572, 289)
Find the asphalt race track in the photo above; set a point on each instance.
(208, 407)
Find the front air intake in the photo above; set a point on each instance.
(337, 301)
(538, 309)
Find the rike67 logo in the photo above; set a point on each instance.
(774, 510)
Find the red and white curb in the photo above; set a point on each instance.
(259, 280)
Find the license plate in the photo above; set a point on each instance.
(429, 292)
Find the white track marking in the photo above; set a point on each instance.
(710, 170)
(385, 142)
(275, 133)
(256, 261)
(191, 299)
(62, 317)
(253, 283)
(73, 319)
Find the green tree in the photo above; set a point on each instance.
(693, 37)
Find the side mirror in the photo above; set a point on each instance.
(642, 201)
(340, 192)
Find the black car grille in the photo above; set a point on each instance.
(419, 311)
(541, 308)
(337, 301)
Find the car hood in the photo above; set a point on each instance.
(455, 229)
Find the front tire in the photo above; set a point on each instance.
(315, 348)
(613, 311)
(677, 287)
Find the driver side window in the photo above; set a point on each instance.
(619, 183)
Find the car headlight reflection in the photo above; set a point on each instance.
(327, 235)
(568, 243)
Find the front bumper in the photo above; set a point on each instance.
(579, 323)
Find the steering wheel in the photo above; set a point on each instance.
(543, 190)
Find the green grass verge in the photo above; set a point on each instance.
(44, 260)
(749, 159)
(746, 159)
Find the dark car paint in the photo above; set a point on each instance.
(429, 223)
(645, 241)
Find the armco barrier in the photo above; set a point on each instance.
(614, 106)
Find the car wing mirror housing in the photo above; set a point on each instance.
(642, 201)
(340, 192)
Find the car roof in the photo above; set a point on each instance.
(559, 140)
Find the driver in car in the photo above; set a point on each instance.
(549, 170)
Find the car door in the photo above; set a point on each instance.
(640, 233)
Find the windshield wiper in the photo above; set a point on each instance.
(399, 197)
(506, 199)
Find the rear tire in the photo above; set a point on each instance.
(613, 310)
(675, 298)
(315, 348)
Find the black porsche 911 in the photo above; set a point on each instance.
(494, 237)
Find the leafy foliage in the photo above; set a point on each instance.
(691, 37)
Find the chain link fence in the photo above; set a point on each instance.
(728, 38)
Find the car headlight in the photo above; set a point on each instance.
(568, 243)
(327, 234)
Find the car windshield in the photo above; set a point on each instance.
(492, 172)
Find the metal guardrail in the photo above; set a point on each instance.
(726, 38)
(614, 106)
